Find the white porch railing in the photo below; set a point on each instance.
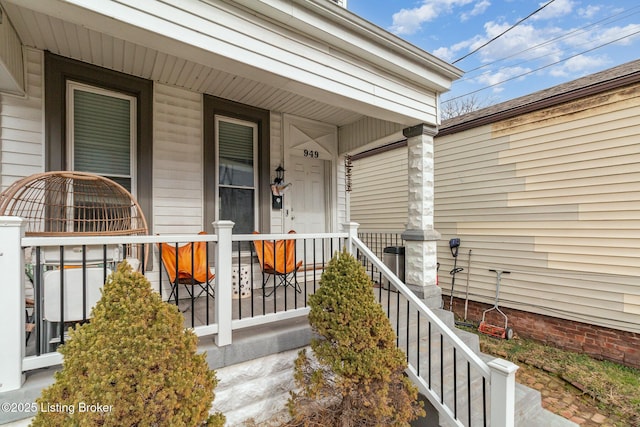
(229, 254)
(464, 389)
(457, 382)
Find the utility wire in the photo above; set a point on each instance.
(504, 32)
(519, 63)
(570, 34)
(542, 68)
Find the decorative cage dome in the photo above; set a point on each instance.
(63, 203)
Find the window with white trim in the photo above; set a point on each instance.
(237, 178)
(101, 135)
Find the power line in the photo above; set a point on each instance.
(569, 34)
(521, 62)
(543, 67)
(504, 32)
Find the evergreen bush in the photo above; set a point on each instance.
(355, 376)
(133, 364)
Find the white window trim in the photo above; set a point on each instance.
(73, 86)
(256, 171)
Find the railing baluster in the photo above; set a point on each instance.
(455, 385)
(408, 323)
(418, 344)
(429, 367)
(38, 309)
(193, 285)
(239, 280)
(61, 295)
(484, 401)
(441, 368)
(84, 281)
(208, 283)
(469, 392)
(251, 258)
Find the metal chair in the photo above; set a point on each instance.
(187, 265)
(278, 260)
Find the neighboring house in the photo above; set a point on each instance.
(547, 187)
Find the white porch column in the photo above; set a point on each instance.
(12, 316)
(503, 393)
(223, 282)
(420, 236)
(352, 229)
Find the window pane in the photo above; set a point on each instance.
(125, 182)
(237, 205)
(235, 145)
(102, 134)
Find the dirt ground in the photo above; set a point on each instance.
(566, 400)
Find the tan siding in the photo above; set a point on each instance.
(363, 132)
(177, 161)
(21, 128)
(553, 196)
(379, 191)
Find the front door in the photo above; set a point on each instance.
(310, 156)
(308, 202)
(308, 207)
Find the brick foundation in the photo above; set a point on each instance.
(598, 342)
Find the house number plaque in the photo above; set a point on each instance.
(312, 154)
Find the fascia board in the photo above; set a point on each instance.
(345, 30)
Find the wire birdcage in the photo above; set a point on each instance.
(65, 203)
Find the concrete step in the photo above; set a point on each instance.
(255, 390)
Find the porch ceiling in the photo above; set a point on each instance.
(41, 31)
(197, 45)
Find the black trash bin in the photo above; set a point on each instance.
(393, 258)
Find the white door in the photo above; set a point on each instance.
(307, 195)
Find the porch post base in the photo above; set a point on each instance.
(430, 295)
(420, 262)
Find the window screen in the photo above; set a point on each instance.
(237, 173)
(102, 135)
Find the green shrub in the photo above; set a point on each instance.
(356, 377)
(135, 360)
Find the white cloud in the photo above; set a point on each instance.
(615, 33)
(589, 12)
(495, 78)
(449, 53)
(408, 21)
(578, 66)
(556, 9)
(522, 38)
(478, 9)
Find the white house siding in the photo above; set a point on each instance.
(21, 125)
(554, 197)
(342, 215)
(177, 161)
(11, 63)
(379, 191)
(277, 219)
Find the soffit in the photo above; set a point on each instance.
(244, 56)
(44, 32)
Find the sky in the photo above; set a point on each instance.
(565, 40)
